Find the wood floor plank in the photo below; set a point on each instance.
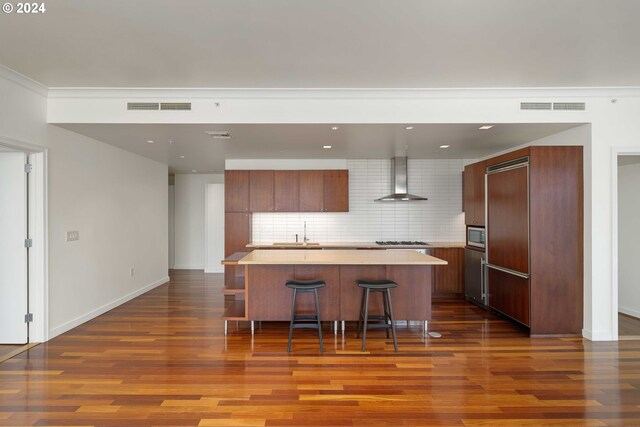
(163, 359)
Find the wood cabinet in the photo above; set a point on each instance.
(535, 238)
(286, 190)
(473, 194)
(336, 190)
(236, 191)
(261, 191)
(237, 232)
(448, 280)
(311, 191)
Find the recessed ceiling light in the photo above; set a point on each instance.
(444, 146)
(170, 142)
(485, 127)
(335, 128)
(409, 127)
(326, 146)
(182, 157)
(193, 170)
(150, 141)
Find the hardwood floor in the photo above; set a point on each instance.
(628, 327)
(162, 359)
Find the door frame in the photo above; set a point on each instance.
(616, 152)
(38, 230)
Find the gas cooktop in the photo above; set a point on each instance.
(401, 243)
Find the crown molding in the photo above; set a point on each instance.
(24, 81)
(333, 93)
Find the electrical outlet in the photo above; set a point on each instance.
(72, 236)
(131, 272)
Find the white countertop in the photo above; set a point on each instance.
(352, 245)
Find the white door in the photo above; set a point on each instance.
(13, 254)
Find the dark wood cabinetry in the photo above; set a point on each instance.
(286, 189)
(474, 194)
(261, 191)
(237, 232)
(448, 280)
(311, 192)
(236, 191)
(336, 191)
(535, 238)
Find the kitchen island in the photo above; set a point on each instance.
(266, 271)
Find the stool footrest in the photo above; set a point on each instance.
(305, 326)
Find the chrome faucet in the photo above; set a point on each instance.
(305, 239)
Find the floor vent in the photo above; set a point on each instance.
(535, 106)
(133, 106)
(572, 106)
(182, 106)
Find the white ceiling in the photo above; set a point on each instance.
(286, 141)
(328, 43)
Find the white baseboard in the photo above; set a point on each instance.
(629, 311)
(597, 335)
(188, 267)
(214, 270)
(101, 310)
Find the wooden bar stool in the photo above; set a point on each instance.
(304, 321)
(383, 286)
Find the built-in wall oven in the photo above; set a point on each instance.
(476, 237)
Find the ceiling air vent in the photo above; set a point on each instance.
(535, 106)
(143, 106)
(218, 134)
(573, 106)
(183, 106)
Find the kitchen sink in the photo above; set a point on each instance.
(295, 244)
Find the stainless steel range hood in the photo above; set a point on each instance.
(399, 183)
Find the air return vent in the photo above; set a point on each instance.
(573, 106)
(535, 106)
(218, 134)
(183, 106)
(143, 106)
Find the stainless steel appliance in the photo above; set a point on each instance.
(475, 277)
(399, 174)
(476, 237)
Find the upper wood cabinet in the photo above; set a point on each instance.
(261, 191)
(236, 191)
(311, 192)
(336, 190)
(474, 194)
(286, 189)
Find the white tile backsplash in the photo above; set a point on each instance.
(439, 219)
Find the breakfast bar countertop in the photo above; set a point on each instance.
(339, 257)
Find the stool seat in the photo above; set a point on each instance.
(376, 284)
(305, 284)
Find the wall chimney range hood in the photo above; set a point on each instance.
(399, 183)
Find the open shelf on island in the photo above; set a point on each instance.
(234, 310)
(235, 286)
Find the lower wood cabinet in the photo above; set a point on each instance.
(509, 294)
(448, 280)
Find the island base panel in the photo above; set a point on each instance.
(269, 299)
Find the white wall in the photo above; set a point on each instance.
(214, 228)
(628, 239)
(172, 223)
(439, 219)
(115, 199)
(190, 194)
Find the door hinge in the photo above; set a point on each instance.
(28, 167)
(28, 318)
(28, 243)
